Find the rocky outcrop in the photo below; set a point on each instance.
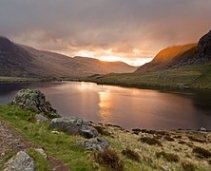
(96, 144)
(35, 100)
(21, 161)
(74, 125)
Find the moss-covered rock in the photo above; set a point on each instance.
(35, 100)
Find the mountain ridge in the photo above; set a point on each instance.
(178, 56)
(23, 61)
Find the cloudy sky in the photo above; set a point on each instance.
(128, 30)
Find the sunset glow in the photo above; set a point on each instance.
(129, 31)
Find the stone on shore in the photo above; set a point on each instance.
(74, 125)
(35, 100)
(20, 162)
(96, 144)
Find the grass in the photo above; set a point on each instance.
(109, 159)
(150, 141)
(123, 145)
(168, 156)
(188, 77)
(131, 154)
(201, 152)
(40, 162)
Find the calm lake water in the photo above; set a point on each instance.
(127, 107)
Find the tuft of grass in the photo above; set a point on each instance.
(198, 138)
(168, 156)
(101, 130)
(187, 166)
(168, 138)
(201, 152)
(110, 160)
(131, 154)
(150, 141)
(40, 161)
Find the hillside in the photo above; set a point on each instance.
(23, 61)
(178, 67)
(178, 56)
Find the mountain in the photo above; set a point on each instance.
(23, 61)
(178, 56)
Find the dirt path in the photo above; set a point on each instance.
(11, 141)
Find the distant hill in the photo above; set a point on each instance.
(23, 61)
(178, 56)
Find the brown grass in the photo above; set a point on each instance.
(170, 157)
(150, 141)
(131, 154)
(201, 152)
(110, 160)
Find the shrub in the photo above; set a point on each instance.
(150, 141)
(101, 130)
(187, 166)
(131, 154)
(109, 159)
(168, 156)
(200, 139)
(201, 152)
(168, 138)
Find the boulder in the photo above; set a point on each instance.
(74, 125)
(40, 118)
(96, 144)
(42, 152)
(88, 131)
(35, 100)
(20, 162)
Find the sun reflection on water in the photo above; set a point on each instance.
(105, 106)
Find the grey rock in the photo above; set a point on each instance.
(42, 152)
(35, 100)
(40, 118)
(20, 162)
(88, 131)
(202, 129)
(96, 144)
(70, 125)
(74, 125)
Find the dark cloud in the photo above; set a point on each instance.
(136, 28)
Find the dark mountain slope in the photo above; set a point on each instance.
(22, 61)
(15, 61)
(178, 56)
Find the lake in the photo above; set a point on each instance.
(127, 107)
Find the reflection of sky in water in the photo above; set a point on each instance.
(128, 107)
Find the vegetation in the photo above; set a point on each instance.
(40, 161)
(187, 166)
(168, 156)
(131, 154)
(201, 152)
(150, 141)
(109, 159)
(188, 77)
(124, 149)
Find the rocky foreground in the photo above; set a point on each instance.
(84, 145)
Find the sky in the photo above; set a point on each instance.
(132, 31)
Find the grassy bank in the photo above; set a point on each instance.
(189, 77)
(136, 150)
